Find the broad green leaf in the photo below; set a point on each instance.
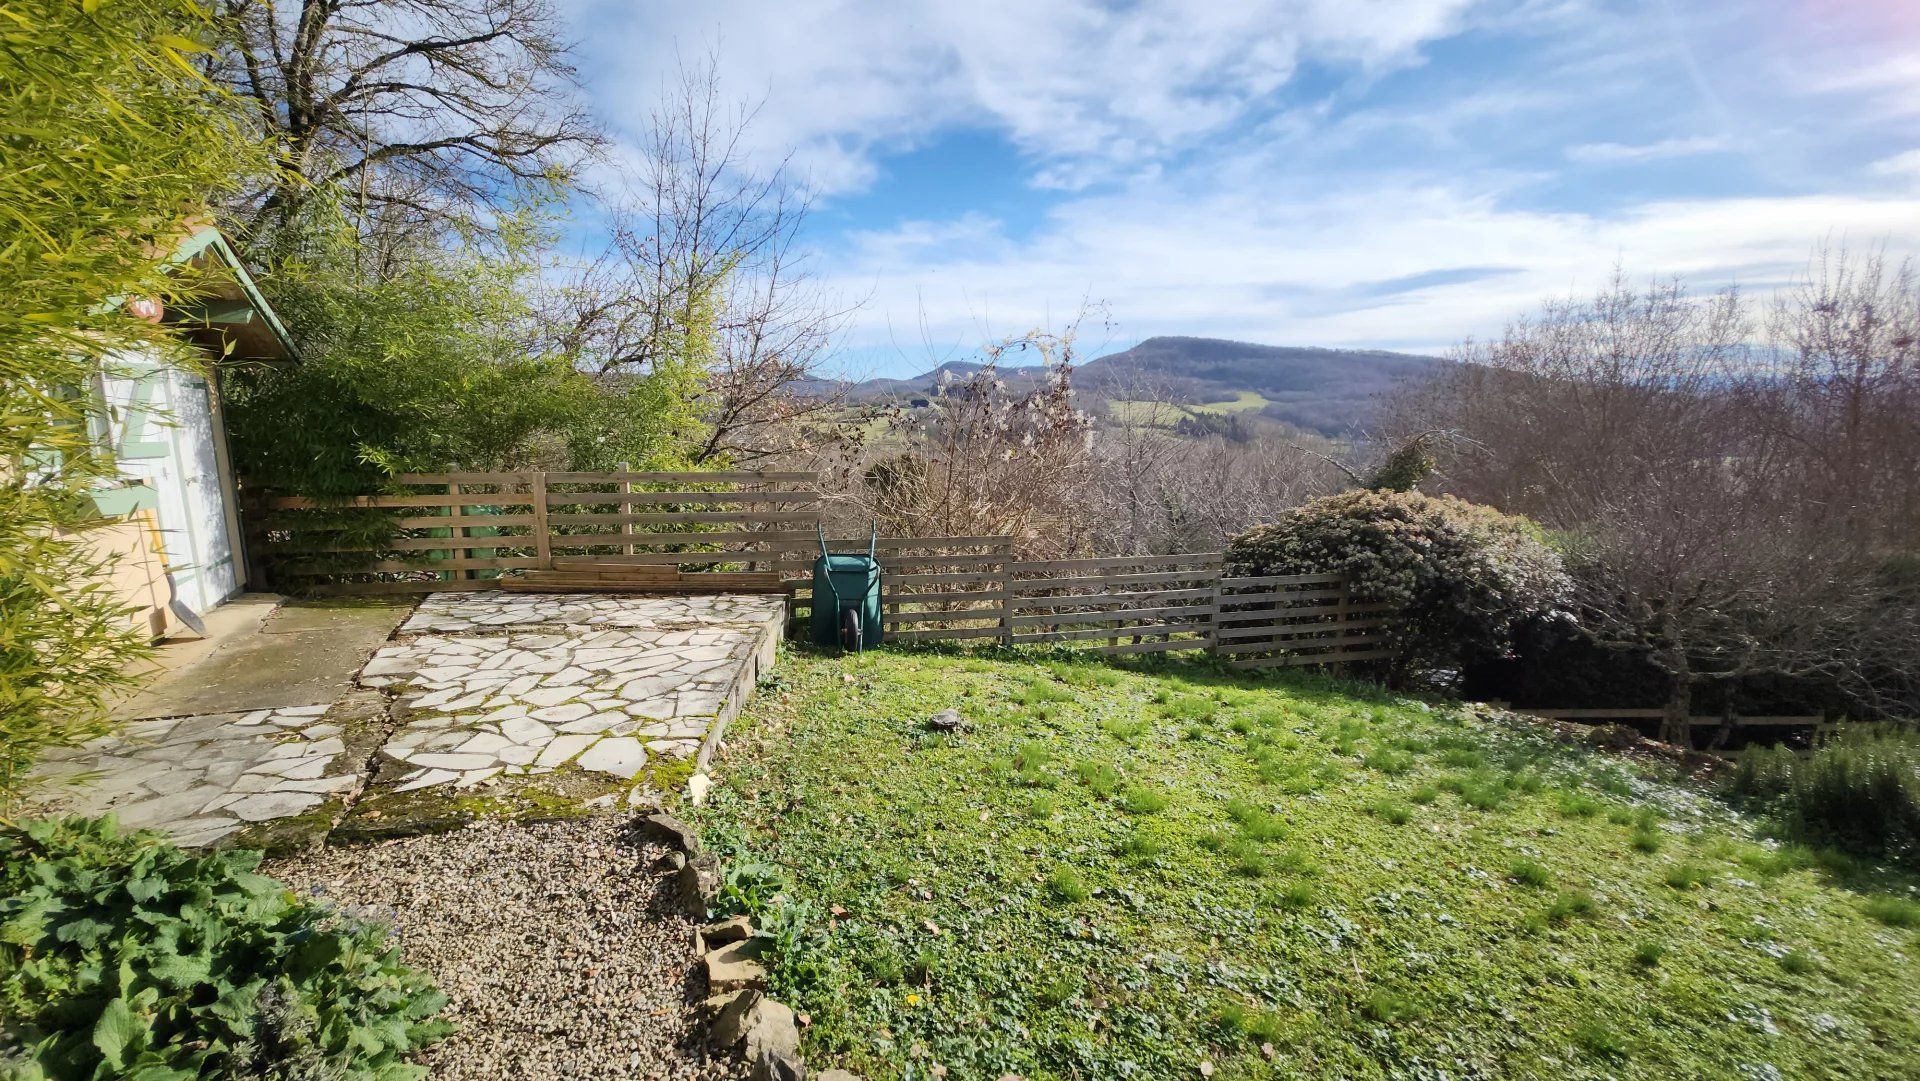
(116, 1030)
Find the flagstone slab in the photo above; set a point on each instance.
(267, 778)
(510, 703)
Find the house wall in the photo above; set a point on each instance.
(132, 564)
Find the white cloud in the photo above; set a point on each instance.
(1306, 268)
(1603, 153)
(1078, 82)
(1899, 165)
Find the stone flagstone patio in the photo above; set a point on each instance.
(482, 703)
(203, 778)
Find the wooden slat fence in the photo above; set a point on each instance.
(961, 588)
(463, 531)
(934, 587)
(1654, 715)
(460, 531)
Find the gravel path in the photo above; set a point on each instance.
(548, 940)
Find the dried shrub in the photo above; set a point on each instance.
(1462, 578)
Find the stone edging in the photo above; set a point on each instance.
(742, 1018)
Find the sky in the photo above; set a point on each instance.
(1395, 174)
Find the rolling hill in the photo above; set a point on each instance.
(1332, 391)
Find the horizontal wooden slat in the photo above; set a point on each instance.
(891, 597)
(654, 499)
(1269, 580)
(974, 615)
(1091, 633)
(1087, 600)
(658, 559)
(729, 536)
(710, 517)
(388, 588)
(500, 563)
(1356, 639)
(1296, 630)
(934, 634)
(463, 521)
(1654, 714)
(1100, 581)
(733, 476)
(1234, 600)
(1153, 647)
(941, 578)
(463, 479)
(1098, 562)
(427, 499)
(1069, 618)
(1295, 660)
(858, 545)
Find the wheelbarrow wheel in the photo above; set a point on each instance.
(850, 632)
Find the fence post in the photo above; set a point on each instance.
(542, 537)
(626, 506)
(1006, 598)
(458, 532)
(1213, 614)
(1341, 614)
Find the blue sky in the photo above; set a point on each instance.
(1395, 174)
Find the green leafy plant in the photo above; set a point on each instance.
(1859, 790)
(1066, 887)
(114, 143)
(122, 956)
(1529, 873)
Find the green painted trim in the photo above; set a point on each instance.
(122, 501)
(215, 240)
(209, 238)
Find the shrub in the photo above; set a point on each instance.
(114, 143)
(1066, 887)
(122, 956)
(1529, 873)
(1463, 578)
(1859, 791)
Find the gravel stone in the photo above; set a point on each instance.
(555, 942)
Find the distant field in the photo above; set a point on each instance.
(1134, 411)
(1244, 401)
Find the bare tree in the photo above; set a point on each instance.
(1730, 511)
(1158, 487)
(421, 109)
(981, 460)
(704, 266)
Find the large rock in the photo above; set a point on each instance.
(772, 1044)
(734, 968)
(696, 884)
(732, 1011)
(671, 832)
(733, 929)
(947, 720)
(836, 1075)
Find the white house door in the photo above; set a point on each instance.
(163, 429)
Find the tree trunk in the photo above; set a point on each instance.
(1674, 727)
(1723, 732)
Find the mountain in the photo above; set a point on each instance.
(1332, 391)
(1325, 390)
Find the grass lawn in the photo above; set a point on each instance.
(1169, 872)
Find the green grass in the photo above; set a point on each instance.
(1167, 415)
(1367, 888)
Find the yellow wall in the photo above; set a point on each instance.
(132, 561)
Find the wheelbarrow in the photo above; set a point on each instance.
(846, 596)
